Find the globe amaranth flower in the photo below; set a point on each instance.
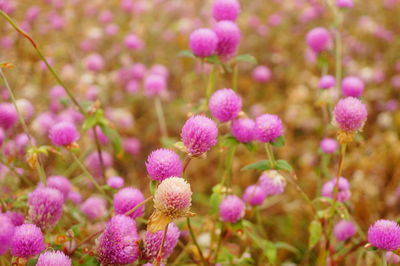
(268, 128)
(27, 241)
(327, 82)
(163, 163)
(344, 3)
(155, 85)
(45, 206)
(384, 234)
(152, 242)
(94, 165)
(329, 145)
(225, 10)
(254, 195)
(61, 183)
(231, 209)
(172, 200)
(94, 207)
(131, 146)
(203, 42)
(392, 257)
(16, 218)
(262, 74)
(118, 243)
(225, 105)
(7, 229)
(272, 182)
(128, 198)
(243, 129)
(63, 134)
(132, 42)
(115, 182)
(350, 114)
(75, 197)
(53, 258)
(352, 86)
(318, 39)
(8, 115)
(343, 193)
(26, 108)
(94, 62)
(228, 34)
(199, 134)
(344, 230)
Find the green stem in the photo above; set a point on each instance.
(270, 155)
(211, 83)
(221, 236)
(195, 241)
(161, 117)
(100, 154)
(235, 77)
(384, 262)
(159, 256)
(227, 176)
(138, 206)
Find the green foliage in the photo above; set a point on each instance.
(260, 165)
(315, 231)
(186, 53)
(31, 262)
(279, 142)
(248, 58)
(153, 186)
(284, 165)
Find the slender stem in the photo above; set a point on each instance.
(180, 256)
(186, 163)
(211, 83)
(161, 117)
(235, 77)
(384, 262)
(227, 176)
(138, 206)
(195, 241)
(87, 239)
(99, 153)
(221, 236)
(159, 256)
(270, 155)
(302, 193)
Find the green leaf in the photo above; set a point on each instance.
(246, 58)
(260, 165)
(225, 256)
(213, 59)
(168, 142)
(279, 142)
(315, 230)
(89, 122)
(238, 226)
(31, 262)
(271, 252)
(322, 60)
(230, 141)
(186, 53)
(250, 146)
(283, 165)
(153, 186)
(284, 245)
(342, 210)
(90, 261)
(215, 200)
(114, 137)
(76, 229)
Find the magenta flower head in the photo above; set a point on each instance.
(231, 209)
(203, 42)
(61, 183)
(16, 218)
(172, 200)
(344, 230)
(243, 129)
(384, 234)
(343, 193)
(225, 104)
(344, 3)
(350, 114)
(131, 146)
(93, 162)
(28, 241)
(52, 258)
(26, 108)
(268, 128)
(63, 134)
(318, 39)
(328, 145)
(228, 34)
(8, 115)
(199, 134)
(2, 136)
(327, 82)
(115, 182)
(75, 197)
(163, 163)
(94, 207)
(94, 62)
(352, 86)
(117, 245)
(262, 74)
(155, 85)
(225, 10)
(126, 199)
(254, 195)
(45, 206)
(7, 229)
(272, 182)
(132, 42)
(392, 257)
(152, 242)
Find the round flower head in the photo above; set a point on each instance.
(343, 230)
(131, 146)
(2, 136)
(243, 129)
(60, 183)
(8, 115)
(94, 62)
(152, 242)
(328, 145)
(392, 257)
(231, 209)
(27, 241)
(327, 82)
(132, 42)
(350, 114)
(199, 134)
(94, 207)
(203, 42)
(262, 74)
(7, 229)
(318, 39)
(26, 108)
(63, 134)
(384, 234)
(254, 195)
(352, 86)
(228, 34)
(172, 200)
(16, 218)
(45, 206)
(268, 128)
(118, 243)
(115, 182)
(272, 182)
(163, 163)
(126, 199)
(344, 3)
(343, 193)
(155, 85)
(75, 197)
(225, 104)
(53, 258)
(225, 10)
(94, 165)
